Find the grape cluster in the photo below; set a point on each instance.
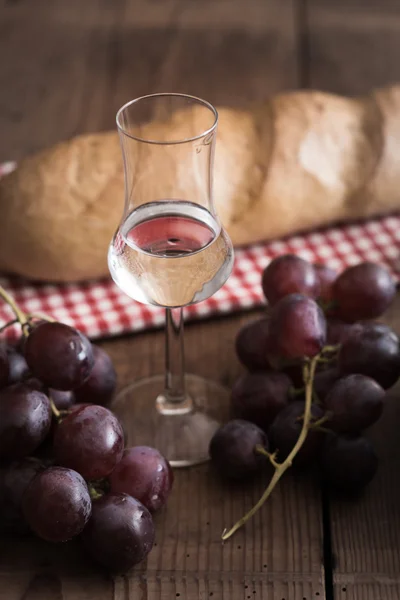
(318, 367)
(64, 471)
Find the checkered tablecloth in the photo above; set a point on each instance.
(100, 309)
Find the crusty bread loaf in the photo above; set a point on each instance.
(298, 161)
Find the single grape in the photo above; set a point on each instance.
(17, 476)
(62, 400)
(4, 366)
(60, 356)
(372, 349)
(364, 291)
(297, 328)
(120, 532)
(36, 384)
(14, 480)
(338, 331)
(25, 419)
(89, 440)
(289, 274)
(285, 431)
(326, 277)
(57, 504)
(355, 402)
(348, 463)
(294, 370)
(324, 381)
(18, 369)
(145, 474)
(233, 449)
(100, 386)
(251, 345)
(78, 406)
(258, 397)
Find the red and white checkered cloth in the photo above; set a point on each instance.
(100, 309)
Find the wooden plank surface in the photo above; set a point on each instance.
(353, 46)
(71, 65)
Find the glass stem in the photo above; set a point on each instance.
(174, 357)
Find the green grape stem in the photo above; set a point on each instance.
(54, 409)
(94, 493)
(280, 468)
(41, 317)
(8, 324)
(20, 315)
(22, 318)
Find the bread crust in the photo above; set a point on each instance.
(298, 161)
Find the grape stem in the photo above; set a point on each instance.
(94, 494)
(280, 468)
(296, 392)
(20, 315)
(334, 348)
(40, 316)
(321, 421)
(13, 322)
(54, 409)
(271, 456)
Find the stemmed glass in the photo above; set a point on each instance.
(170, 250)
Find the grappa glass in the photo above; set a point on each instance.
(170, 250)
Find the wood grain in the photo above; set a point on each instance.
(352, 47)
(73, 64)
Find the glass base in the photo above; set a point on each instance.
(182, 433)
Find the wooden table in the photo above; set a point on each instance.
(66, 67)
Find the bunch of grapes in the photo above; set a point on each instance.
(318, 367)
(64, 471)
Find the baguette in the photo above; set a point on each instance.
(298, 161)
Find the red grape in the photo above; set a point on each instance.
(57, 504)
(324, 381)
(59, 355)
(297, 328)
(326, 277)
(285, 431)
(62, 400)
(14, 480)
(120, 532)
(145, 474)
(19, 370)
(78, 406)
(25, 419)
(348, 463)
(17, 476)
(4, 366)
(232, 449)
(364, 291)
(294, 370)
(251, 345)
(289, 274)
(100, 386)
(355, 402)
(89, 440)
(372, 349)
(258, 397)
(338, 331)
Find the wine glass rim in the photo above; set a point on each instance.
(203, 134)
